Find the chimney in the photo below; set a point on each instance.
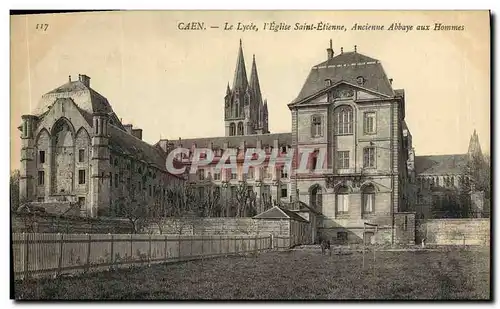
(355, 48)
(329, 50)
(69, 77)
(128, 128)
(390, 80)
(341, 50)
(84, 79)
(137, 133)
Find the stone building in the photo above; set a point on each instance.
(445, 185)
(348, 110)
(78, 157)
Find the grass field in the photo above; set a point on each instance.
(306, 274)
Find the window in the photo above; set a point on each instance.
(233, 191)
(81, 177)
(217, 176)
(328, 82)
(81, 155)
(266, 173)
(283, 149)
(283, 171)
(116, 180)
(40, 199)
(240, 128)
(42, 156)
(405, 224)
(233, 175)
(81, 201)
(201, 174)
(342, 159)
(368, 199)
(41, 178)
(342, 237)
(250, 191)
(369, 123)
(342, 200)
(250, 174)
(360, 80)
(316, 199)
(316, 126)
(232, 129)
(369, 157)
(343, 118)
(284, 191)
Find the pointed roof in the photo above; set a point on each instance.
(254, 82)
(474, 145)
(228, 90)
(240, 74)
(277, 212)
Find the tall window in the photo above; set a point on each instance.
(316, 126)
(369, 123)
(316, 198)
(217, 176)
(232, 129)
(201, 174)
(41, 178)
(342, 200)
(369, 157)
(265, 172)
(284, 190)
(81, 155)
(233, 175)
(368, 199)
(343, 119)
(240, 128)
(81, 177)
(342, 159)
(42, 156)
(250, 174)
(283, 171)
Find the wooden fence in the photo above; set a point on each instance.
(44, 254)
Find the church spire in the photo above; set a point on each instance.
(474, 147)
(240, 74)
(254, 83)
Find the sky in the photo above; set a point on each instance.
(171, 83)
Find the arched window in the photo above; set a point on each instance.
(452, 180)
(232, 129)
(240, 128)
(343, 119)
(368, 199)
(316, 126)
(316, 197)
(342, 199)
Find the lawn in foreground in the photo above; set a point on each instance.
(456, 274)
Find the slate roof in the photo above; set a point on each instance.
(347, 67)
(279, 213)
(441, 164)
(85, 97)
(128, 144)
(235, 141)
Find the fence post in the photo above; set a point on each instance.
(89, 243)
(220, 245)
(59, 263)
(202, 249)
(112, 252)
(256, 249)
(271, 243)
(191, 243)
(179, 248)
(26, 256)
(131, 250)
(149, 251)
(166, 245)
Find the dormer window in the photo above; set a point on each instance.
(361, 80)
(328, 82)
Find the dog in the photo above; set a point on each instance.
(325, 245)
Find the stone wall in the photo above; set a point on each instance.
(455, 231)
(220, 226)
(76, 225)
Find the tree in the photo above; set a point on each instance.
(14, 190)
(245, 200)
(132, 207)
(211, 201)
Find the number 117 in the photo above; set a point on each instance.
(42, 27)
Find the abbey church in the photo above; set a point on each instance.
(75, 149)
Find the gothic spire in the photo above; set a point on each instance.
(228, 90)
(474, 146)
(254, 82)
(240, 74)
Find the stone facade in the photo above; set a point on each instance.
(74, 149)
